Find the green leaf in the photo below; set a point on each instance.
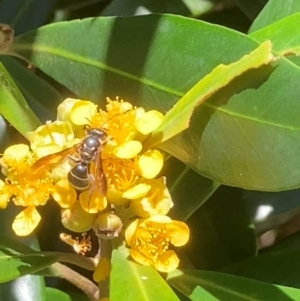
(177, 119)
(16, 264)
(188, 189)
(239, 136)
(132, 281)
(14, 290)
(284, 35)
(266, 267)
(13, 106)
(57, 295)
(41, 96)
(102, 70)
(274, 11)
(25, 15)
(221, 232)
(18, 259)
(212, 286)
(251, 8)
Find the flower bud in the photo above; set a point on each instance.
(108, 225)
(77, 219)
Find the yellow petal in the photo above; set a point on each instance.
(76, 219)
(93, 203)
(51, 137)
(43, 151)
(150, 164)
(148, 122)
(82, 112)
(140, 258)
(64, 194)
(128, 150)
(137, 191)
(158, 200)
(4, 196)
(162, 219)
(64, 109)
(130, 231)
(26, 221)
(115, 197)
(178, 233)
(102, 270)
(167, 262)
(17, 151)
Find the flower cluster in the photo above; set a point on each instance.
(124, 186)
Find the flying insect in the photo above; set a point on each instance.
(88, 151)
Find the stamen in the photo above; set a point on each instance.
(80, 247)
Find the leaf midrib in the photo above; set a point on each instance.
(146, 82)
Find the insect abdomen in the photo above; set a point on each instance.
(78, 177)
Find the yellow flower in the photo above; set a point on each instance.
(128, 173)
(51, 138)
(149, 241)
(16, 159)
(24, 187)
(157, 200)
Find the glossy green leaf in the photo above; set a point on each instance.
(41, 96)
(15, 264)
(177, 119)
(212, 286)
(221, 232)
(188, 189)
(238, 137)
(284, 35)
(18, 259)
(251, 8)
(132, 281)
(57, 295)
(280, 267)
(274, 11)
(13, 106)
(246, 134)
(25, 15)
(14, 290)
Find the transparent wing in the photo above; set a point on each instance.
(53, 160)
(98, 183)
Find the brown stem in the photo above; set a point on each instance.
(87, 286)
(87, 263)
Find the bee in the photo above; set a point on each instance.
(88, 152)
